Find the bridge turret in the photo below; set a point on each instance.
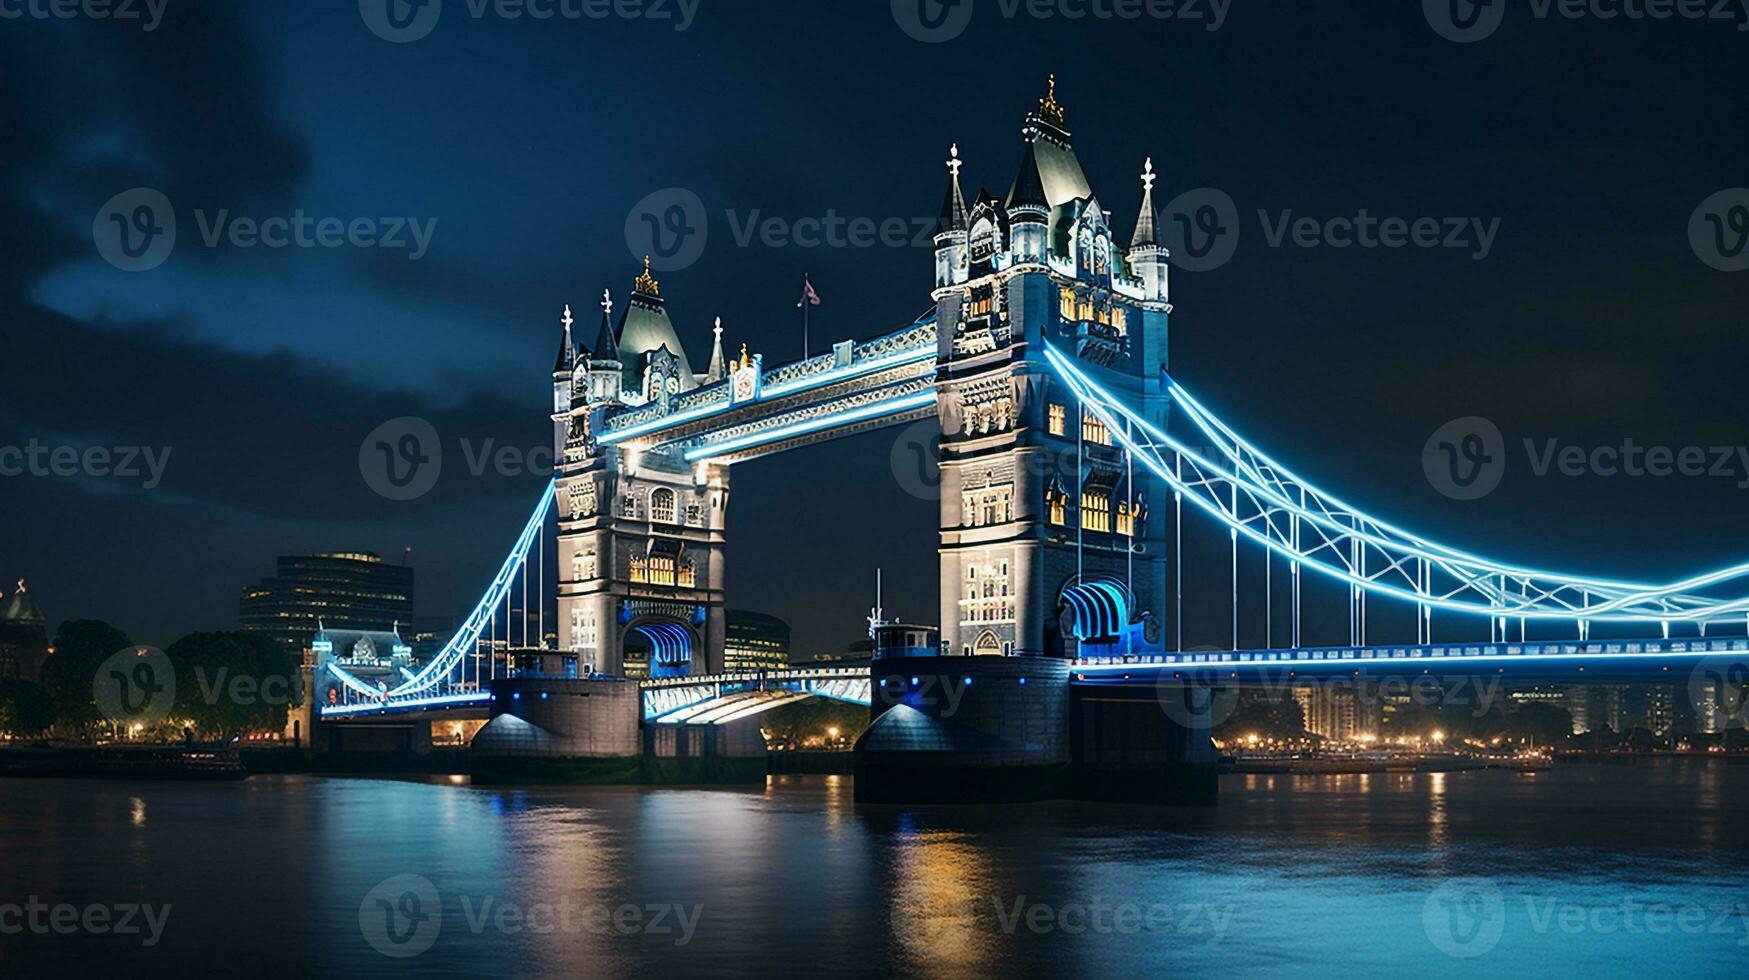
(563, 369)
(950, 234)
(606, 373)
(1148, 256)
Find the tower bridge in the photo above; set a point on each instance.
(1044, 354)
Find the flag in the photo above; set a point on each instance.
(809, 297)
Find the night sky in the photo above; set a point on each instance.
(1591, 320)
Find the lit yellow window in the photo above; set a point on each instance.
(1095, 511)
(1093, 430)
(1057, 419)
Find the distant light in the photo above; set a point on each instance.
(543, 695)
(967, 681)
(517, 696)
(913, 682)
(1023, 680)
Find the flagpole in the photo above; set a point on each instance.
(805, 305)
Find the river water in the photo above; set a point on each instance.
(1591, 870)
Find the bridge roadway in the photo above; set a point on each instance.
(1542, 661)
(722, 698)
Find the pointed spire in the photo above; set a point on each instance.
(646, 284)
(567, 351)
(1048, 108)
(953, 209)
(1145, 221)
(606, 347)
(716, 372)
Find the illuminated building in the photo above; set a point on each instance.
(755, 642)
(24, 638)
(339, 590)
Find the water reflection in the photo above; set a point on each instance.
(794, 877)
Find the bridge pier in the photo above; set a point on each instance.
(1016, 729)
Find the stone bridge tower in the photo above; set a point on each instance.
(640, 542)
(1050, 538)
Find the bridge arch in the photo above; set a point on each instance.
(668, 644)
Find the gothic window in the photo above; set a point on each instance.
(686, 578)
(628, 506)
(694, 516)
(661, 570)
(640, 569)
(986, 645)
(1057, 505)
(576, 502)
(1126, 519)
(1120, 320)
(577, 567)
(1066, 303)
(1058, 419)
(1094, 430)
(1095, 511)
(589, 564)
(662, 509)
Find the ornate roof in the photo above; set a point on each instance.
(20, 607)
(645, 328)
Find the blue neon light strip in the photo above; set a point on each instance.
(1671, 603)
(877, 410)
(846, 372)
